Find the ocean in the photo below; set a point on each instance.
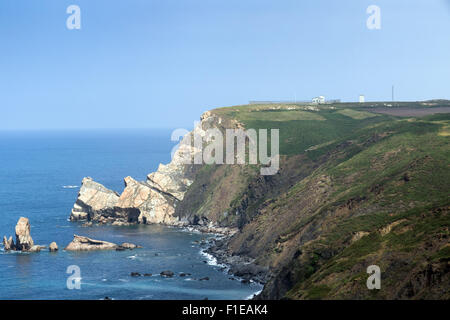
(40, 175)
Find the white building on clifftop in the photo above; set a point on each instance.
(318, 100)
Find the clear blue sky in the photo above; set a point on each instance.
(161, 63)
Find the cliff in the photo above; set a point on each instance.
(150, 201)
(354, 189)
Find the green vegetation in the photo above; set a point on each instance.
(354, 189)
(302, 129)
(357, 115)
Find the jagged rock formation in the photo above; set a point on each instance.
(24, 242)
(80, 243)
(145, 202)
(8, 243)
(94, 201)
(154, 205)
(23, 238)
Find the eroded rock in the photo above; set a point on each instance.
(94, 200)
(24, 241)
(8, 243)
(81, 243)
(53, 247)
(129, 246)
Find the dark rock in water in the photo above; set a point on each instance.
(129, 246)
(245, 281)
(184, 274)
(135, 274)
(204, 261)
(205, 278)
(147, 274)
(167, 273)
(107, 298)
(119, 248)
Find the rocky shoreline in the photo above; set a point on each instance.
(239, 267)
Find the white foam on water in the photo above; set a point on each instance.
(210, 259)
(70, 187)
(253, 294)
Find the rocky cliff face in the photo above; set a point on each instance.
(94, 201)
(150, 201)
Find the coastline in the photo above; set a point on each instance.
(238, 267)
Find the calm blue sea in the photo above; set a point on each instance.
(36, 170)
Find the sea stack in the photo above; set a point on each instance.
(24, 241)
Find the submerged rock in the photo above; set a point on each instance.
(81, 243)
(35, 248)
(129, 246)
(167, 273)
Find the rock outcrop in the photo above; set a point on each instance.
(23, 238)
(24, 241)
(35, 248)
(129, 246)
(80, 243)
(8, 243)
(94, 201)
(145, 202)
(53, 247)
(153, 205)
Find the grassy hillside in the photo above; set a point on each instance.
(355, 188)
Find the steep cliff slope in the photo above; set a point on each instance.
(354, 189)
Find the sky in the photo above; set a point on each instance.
(161, 63)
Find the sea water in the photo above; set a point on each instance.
(40, 175)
